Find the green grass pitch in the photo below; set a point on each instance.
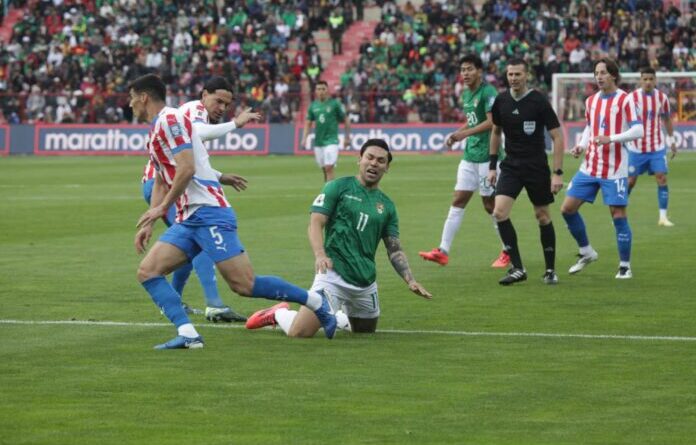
(433, 374)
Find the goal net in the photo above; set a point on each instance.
(569, 91)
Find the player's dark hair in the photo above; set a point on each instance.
(612, 68)
(472, 59)
(322, 82)
(648, 70)
(518, 61)
(216, 83)
(381, 143)
(151, 84)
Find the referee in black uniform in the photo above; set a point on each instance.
(522, 114)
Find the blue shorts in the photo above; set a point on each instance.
(147, 194)
(220, 242)
(653, 162)
(584, 187)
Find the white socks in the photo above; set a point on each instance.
(187, 330)
(313, 300)
(663, 213)
(452, 223)
(284, 318)
(587, 250)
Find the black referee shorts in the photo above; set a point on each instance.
(532, 175)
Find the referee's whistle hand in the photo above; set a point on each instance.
(556, 184)
(492, 177)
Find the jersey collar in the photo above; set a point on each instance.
(529, 90)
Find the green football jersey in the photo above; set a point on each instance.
(475, 105)
(358, 220)
(326, 115)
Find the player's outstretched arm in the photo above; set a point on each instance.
(317, 222)
(247, 116)
(209, 132)
(400, 264)
(237, 182)
(636, 131)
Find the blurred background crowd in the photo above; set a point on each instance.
(71, 60)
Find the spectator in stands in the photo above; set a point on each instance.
(336, 28)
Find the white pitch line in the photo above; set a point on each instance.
(382, 331)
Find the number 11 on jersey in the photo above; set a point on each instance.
(362, 221)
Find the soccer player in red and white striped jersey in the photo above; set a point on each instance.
(649, 153)
(205, 221)
(215, 100)
(612, 121)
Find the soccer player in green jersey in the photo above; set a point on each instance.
(348, 219)
(326, 112)
(477, 101)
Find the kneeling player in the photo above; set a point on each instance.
(348, 219)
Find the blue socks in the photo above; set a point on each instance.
(577, 228)
(166, 298)
(275, 288)
(180, 277)
(205, 269)
(623, 238)
(662, 197)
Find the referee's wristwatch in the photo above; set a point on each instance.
(558, 172)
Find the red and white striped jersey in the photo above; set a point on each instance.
(171, 133)
(607, 115)
(650, 107)
(195, 112)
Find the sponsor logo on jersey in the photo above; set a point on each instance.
(515, 111)
(354, 198)
(176, 130)
(529, 127)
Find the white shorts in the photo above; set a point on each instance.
(474, 176)
(358, 302)
(326, 156)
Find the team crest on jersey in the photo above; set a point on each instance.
(476, 101)
(529, 127)
(176, 130)
(380, 208)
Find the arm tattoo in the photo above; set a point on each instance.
(398, 258)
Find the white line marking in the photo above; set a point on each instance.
(382, 331)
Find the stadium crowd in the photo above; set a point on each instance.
(412, 59)
(65, 55)
(70, 60)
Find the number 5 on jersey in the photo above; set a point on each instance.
(217, 236)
